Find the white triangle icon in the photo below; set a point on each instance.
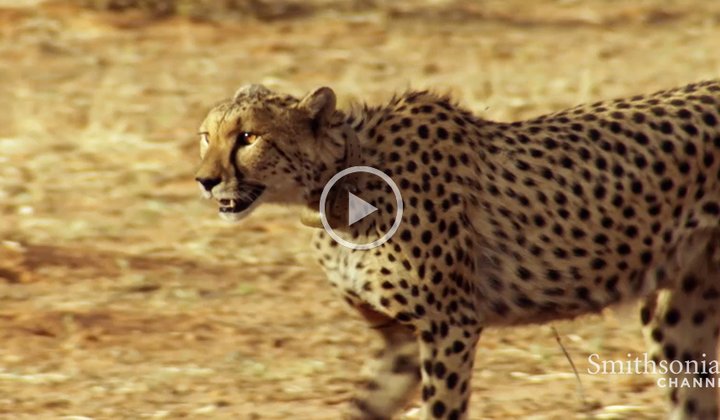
(358, 208)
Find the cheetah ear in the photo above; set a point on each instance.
(320, 106)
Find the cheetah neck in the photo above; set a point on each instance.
(345, 152)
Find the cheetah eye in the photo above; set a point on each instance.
(245, 138)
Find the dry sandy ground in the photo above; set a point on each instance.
(123, 296)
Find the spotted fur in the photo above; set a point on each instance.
(504, 223)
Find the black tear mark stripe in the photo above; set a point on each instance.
(234, 158)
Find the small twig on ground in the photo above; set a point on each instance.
(580, 389)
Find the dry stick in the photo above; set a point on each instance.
(580, 390)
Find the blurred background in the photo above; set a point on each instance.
(123, 296)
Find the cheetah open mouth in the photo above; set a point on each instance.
(233, 206)
(245, 199)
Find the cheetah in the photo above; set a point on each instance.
(504, 223)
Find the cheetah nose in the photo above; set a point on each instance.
(208, 183)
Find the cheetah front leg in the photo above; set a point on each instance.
(395, 373)
(447, 354)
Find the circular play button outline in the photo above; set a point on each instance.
(398, 212)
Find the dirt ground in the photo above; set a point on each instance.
(123, 296)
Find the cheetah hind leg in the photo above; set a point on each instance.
(682, 324)
(394, 374)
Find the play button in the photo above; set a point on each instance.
(358, 208)
(371, 213)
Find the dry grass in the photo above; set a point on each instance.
(122, 296)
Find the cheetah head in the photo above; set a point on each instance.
(262, 146)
